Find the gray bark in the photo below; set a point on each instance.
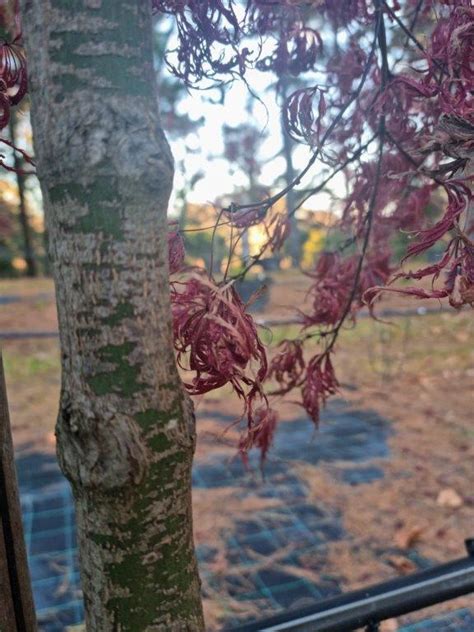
(125, 428)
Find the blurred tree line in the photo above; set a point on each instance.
(22, 236)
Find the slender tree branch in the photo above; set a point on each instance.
(275, 198)
(368, 221)
(411, 37)
(373, 200)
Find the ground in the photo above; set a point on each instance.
(384, 487)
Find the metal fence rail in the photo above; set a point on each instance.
(279, 322)
(368, 607)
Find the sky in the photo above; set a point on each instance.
(202, 151)
(207, 146)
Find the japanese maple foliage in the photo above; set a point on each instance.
(386, 98)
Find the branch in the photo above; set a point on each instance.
(368, 221)
(411, 37)
(275, 198)
(310, 193)
(371, 210)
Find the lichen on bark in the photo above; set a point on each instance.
(125, 427)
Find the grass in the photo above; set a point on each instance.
(34, 365)
(26, 286)
(433, 344)
(427, 344)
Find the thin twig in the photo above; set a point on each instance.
(373, 200)
(275, 198)
(309, 194)
(411, 37)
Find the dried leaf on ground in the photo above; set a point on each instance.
(449, 498)
(402, 564)
(407, 536)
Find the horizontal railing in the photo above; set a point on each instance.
(278, 322)
(366, 608)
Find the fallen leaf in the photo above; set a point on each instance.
(449, 498)
(407, 536)
(402, 564)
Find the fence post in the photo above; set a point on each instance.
(17, 612)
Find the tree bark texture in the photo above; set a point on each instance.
(125, 429)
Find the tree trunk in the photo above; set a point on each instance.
(293, 243)
(125, 428)
(31, 269)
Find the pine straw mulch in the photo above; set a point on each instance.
(420, 376)
(418, 373)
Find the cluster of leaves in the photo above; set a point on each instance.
(13, 72)
(217, 340)
(390, 111)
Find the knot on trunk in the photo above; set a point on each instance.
(100, 454)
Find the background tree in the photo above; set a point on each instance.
(177, 121)
(294, 239)
(28, 247)
(241, 149)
